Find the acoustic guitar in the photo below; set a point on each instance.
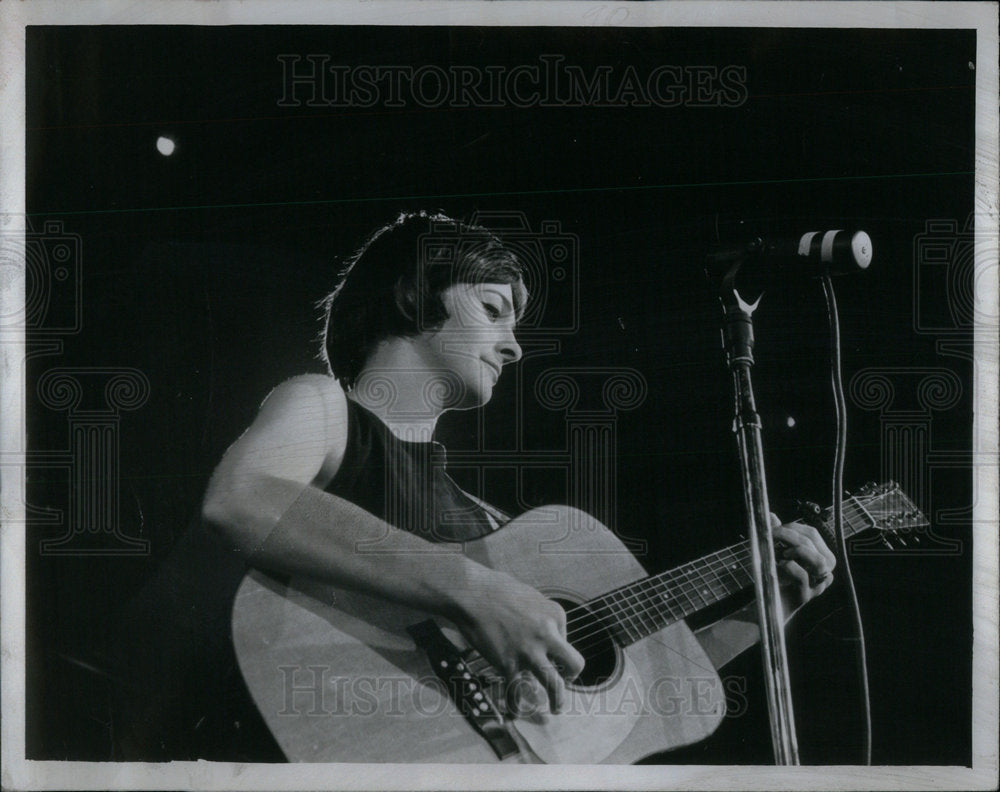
(340, 676)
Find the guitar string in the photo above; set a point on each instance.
(656, 599)
(584, 642)
(713, 566)
(688, 579)
(663, 579)
(687, 571)
(601, 633)
(684, 579)
(657, 594)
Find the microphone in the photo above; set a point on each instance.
(815, 252)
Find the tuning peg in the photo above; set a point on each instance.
(810, 513)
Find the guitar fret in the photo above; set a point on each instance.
(629, 610)
(716, 588)
(623, 618)
(733, 566)
(647, 612)
(634, 615)
(724, 565)
(688, 607)
(668, 601)
(653, 617)
(694, 591)
(658, 604)
(600, 611)
(664, 599)
(711, 577)
(695, 587)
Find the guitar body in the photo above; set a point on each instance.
(338, 678)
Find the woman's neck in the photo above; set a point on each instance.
(396, 388)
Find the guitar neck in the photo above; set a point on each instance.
(640, 609)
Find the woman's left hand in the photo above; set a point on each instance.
(805, 563)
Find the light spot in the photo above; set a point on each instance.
(790, 422)
(165, 146)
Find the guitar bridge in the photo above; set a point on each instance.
(466, 689)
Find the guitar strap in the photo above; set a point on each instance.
(496, 518)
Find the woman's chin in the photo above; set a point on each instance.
(472, 400)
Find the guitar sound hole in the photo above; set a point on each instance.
(592, 640)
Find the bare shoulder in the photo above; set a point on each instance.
(300, 431)
(315, 400)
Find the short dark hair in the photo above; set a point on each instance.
(391, 287)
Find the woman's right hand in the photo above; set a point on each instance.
(519, 631)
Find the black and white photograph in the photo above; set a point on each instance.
(413, 395)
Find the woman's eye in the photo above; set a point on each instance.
(492, 311)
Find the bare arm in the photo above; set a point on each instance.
(266, 497)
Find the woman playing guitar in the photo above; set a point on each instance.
(339, 479)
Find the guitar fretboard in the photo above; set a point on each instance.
(640, 609)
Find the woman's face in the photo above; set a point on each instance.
(474, 343)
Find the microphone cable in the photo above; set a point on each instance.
(838, 511)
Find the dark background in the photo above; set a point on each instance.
(202, 270)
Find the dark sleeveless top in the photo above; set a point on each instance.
(406, 483)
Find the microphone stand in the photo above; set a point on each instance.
(738, 343)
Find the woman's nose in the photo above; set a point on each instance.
(510, 350)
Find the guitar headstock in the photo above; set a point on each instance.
(884, 508)
(889, 507)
